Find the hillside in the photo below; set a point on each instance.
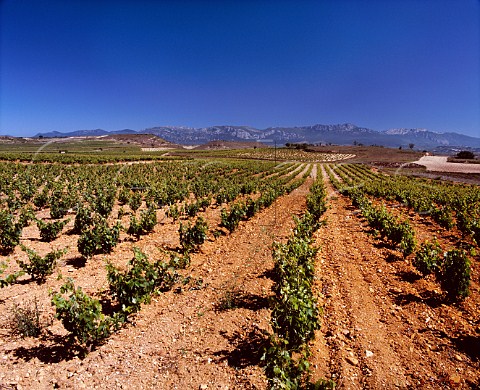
(338, 134)
(143, 140)
(225, 145)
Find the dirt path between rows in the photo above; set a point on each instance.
(382, 327)
(377, 331)
(206, 334)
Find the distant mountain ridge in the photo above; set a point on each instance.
(340, 134)
(83, 133)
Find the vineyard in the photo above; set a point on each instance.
(281, 154)
(254, 269)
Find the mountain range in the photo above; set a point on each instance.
(339, 134)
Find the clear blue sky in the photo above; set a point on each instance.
(84, 64)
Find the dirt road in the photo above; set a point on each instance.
(440, 164)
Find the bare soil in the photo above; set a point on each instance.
(372, 154)
(440, 164)
(222, 145)
(383, 327)
(208, 332)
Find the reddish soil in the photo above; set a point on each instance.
(208, 332)
(383, 327)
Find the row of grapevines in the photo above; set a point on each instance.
(82, 158)
(448, 204)
(88, 191)
(399, 233)
(83, 315)
(295, 313)
(246, 209)
(452, 268)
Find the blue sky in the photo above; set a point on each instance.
(85, 64)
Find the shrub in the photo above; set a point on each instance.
(135, 201)
(10, 279)
(124, 196)
(251, 208)
(139, 281)
(83, 219)
(25, 320)
(226, 195)
(100, 239)
(316, 199)
(230, 220)
(103, 202)
(204, 203)
(190, 209)
(295, 315)
(40, 267)
(284, 371)
(295, 312)
(49, 231)
(173, 212)
(465, 155)
(179, 261)
(469, 223)
(148, 219)
(26, 215)
(60, 203)
(191, 237)
(135, 229)
(147, 223)
(10, 232)
(399, 233)
(13, 202)
(41, 199)
(443, 215)
(455, 274)
(404, 237)
(428, 258)
(305, 226)
(82, 315)
(268, 197)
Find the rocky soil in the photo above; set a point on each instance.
(383, 327)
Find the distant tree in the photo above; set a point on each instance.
(411, 145)
(466, 155)
(400, 147)
(301, 146)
